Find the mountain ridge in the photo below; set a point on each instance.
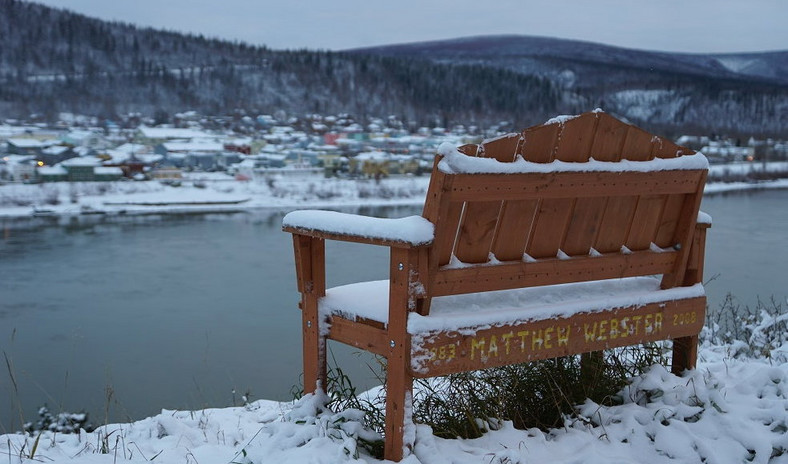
(580, 50)
(54, 61)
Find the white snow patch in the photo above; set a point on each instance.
(370, 300)
(455, 162)
(412, 229)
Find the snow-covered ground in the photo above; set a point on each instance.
(206, 192)
(728, 410)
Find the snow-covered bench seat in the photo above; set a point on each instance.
(629, 307)
(571, 237)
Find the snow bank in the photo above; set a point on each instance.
(726, 411)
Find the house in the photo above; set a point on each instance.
(157, 135)
(21, 168)
(81, 169)
(726, 152)
(107, 173)
(52, 174)
(56, 153)
(84, 138)
(27, 146)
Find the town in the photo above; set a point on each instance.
(245, 148)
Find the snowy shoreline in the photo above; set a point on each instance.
(220, 194)
(730, 409)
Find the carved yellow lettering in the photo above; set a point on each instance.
(626, 330)
(536, 340)
(492, 349)
(637, 324)
(563, 336)
(590, 335)
(614, 329)
(658, 322)
(505, 337)
(647, 327)
(522, 334)
(548, 337)
(602, 329)
(477, 345)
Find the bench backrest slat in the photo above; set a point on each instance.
(512, 214)
(510, 275)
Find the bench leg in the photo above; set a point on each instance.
(685, 354)
(314, 354)
(399, 387)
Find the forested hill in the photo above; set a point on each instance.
(53, 60)
(745, 92)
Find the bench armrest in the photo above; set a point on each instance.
(407, 232)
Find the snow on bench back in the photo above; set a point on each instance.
(456, 162)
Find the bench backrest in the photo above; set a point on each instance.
(564, 225)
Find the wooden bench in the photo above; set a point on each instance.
(535, 245)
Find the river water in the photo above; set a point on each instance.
(125, 316)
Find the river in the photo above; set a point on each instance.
(125, 316)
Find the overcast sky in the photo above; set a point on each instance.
(665, 25)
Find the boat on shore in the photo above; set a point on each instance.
(43, 212)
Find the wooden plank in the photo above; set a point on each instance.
(539, 143)
(616, 221)
(303, 263)
(697, 257)
(491, 187)
(443, 213)
(503, 148)
(359, 335)
(645, 221)
(433, 200)
(446, 232)
(476, 232)
(609, 138)
(638, 145)
(464, 350)
(349, 238)
(549, 227)
(572, 144)
(470, 149)
(398, 378)
(514, 228)
(683, 236)
(587, 213)
(685, 354)
(575, 139)
(664, 148)
(312, 268)
(550, 271)
(584, 226)
(669, 221)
